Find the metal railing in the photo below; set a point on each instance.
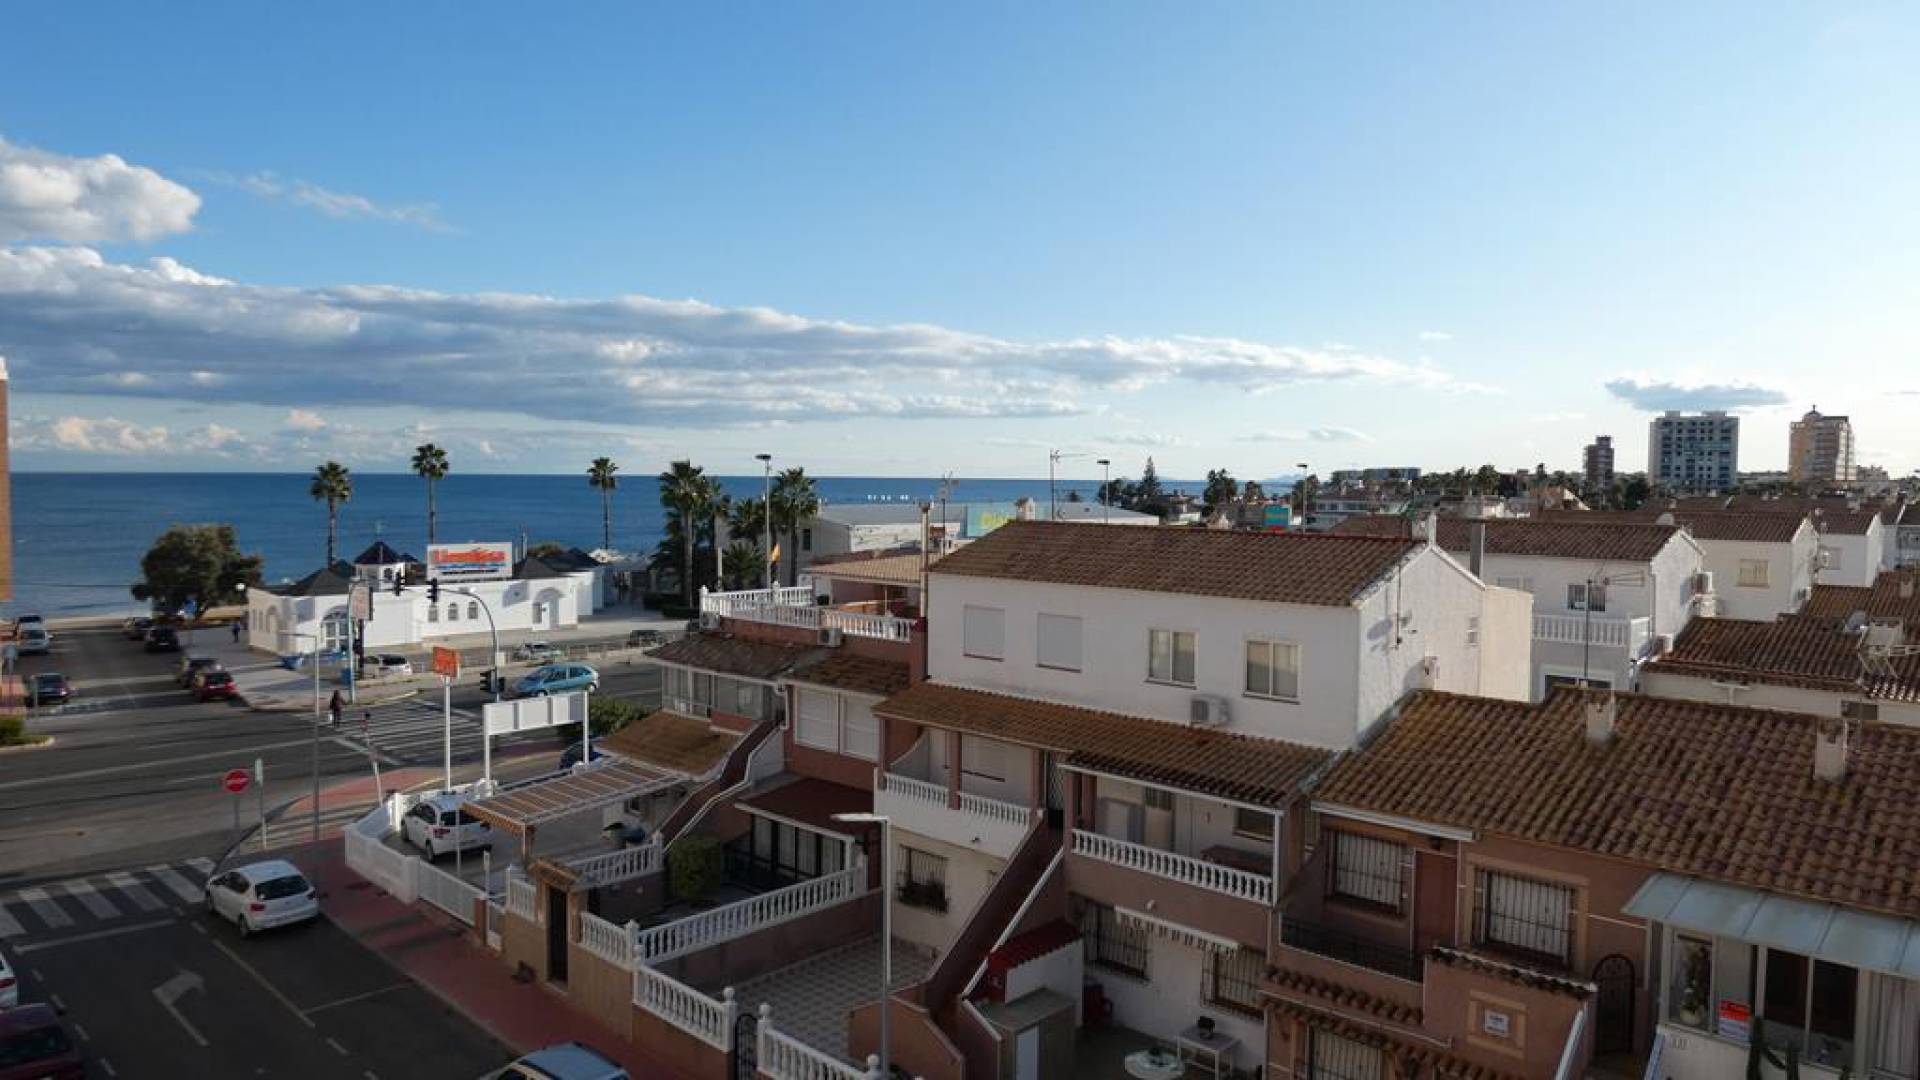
(1608, 632)
(684, 1007)
(739, 919)
(614, 867)
(1182, 868)
(1349, 948)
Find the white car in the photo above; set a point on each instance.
(262, 895)
(385, 666)
(34, 640)
(537, 652)
(437, 826)
(9, 986)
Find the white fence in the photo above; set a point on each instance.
(684, 1007)
(374, 860)
(784, 1057)
(995, 809)
(496, 914)
(609, 942)
(1614, 633)
(523, 897)
(618, 866)
(736, 920)
(1183, 868)
(795, 607)
(732, 603)
(919, 791)
(446, 892)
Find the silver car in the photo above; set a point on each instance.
(563, 1061)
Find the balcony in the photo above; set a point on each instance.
(1185, 869)
(795, 607)
(984, 824)
(1350, 948)
(1610, 632)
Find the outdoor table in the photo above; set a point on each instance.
(1215, 1047)
(1155, 1064)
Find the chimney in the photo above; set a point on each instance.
(1427, 527)
(1665, 518)
(1477, 551)
(1830, 750)
(1023, 508)
(1601, 710)
(1906, 587)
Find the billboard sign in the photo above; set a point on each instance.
(982, 520)
(1277, 516)
(469, 562)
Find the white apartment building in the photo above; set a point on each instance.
(1693, 452)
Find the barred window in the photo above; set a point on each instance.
(923, 879)
(1586, 596)
(1112, 944)
(1335, 1057)
(1526, 916)
(1232, 979)
(1366, 868)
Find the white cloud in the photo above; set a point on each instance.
(334, 204)
(304, 420)
(1660, 393)
(69, 315)
(1310, 435)
(1435, 335)
(87, 200)
(96, 435)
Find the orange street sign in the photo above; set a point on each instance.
(446, 661)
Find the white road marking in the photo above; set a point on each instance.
(44, 907)
(57, 1003)
(9, 926)
(158, 763)
(264, 982)
(80, 1031)
(74, 939)
(337, 1048)
(90, 898)
(130, 885)
(172, 879)
(168, 993)
(358, 997)
(204, 865)
(108, 1066)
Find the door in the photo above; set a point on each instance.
(556, 935)
(1435, 894)
(1026, 1055)
(746, 1046)
(1613, 1006)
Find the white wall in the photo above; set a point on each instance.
(1789, 574)
(1171, 1000)
(969, 875)
(1198, 823)
(1767, 696)
(400, 621)
(1856, 559)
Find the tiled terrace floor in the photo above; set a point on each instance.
(811, 999)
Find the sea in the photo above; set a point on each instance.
(78, 537)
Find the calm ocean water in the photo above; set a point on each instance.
(78, 537)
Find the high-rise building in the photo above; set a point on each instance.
(1693, 452)
(1820, 450)
(1597, 464)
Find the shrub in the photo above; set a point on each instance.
(13, 731)
(693, 868)
(606, 714)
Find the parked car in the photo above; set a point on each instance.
(163, 639)
(33, 640)
(262, 895)
(556, 679)
(9, 985)
(191, 666)
(384, 665)
(49, 688)
(571, 756)
(537, 652)
(438, 825)
(643, 638)
(135, 629)
(564, 1061)
(23, 621)
(34, 1045)
(215, 685)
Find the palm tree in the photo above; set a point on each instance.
(600, 476)
(795, 500)
(430, 464)
(332, 484)
(689, 495)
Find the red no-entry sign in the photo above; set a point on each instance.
(236, 780)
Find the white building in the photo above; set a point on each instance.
(1693, 452)
(538, 596)
(1763, 565)
(881, 526)
(1861, 668)
(1854, 547)
(1820, 450)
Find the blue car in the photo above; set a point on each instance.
(556, 679)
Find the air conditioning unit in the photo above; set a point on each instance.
(830, 636)
(1207, 710)
(1705, 604)
(1430, 673)
(1703, 583)
(1662, 644)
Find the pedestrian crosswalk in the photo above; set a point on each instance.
(102, 898)
(414, 731)
(297, 826)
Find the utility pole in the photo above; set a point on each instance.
(1106, 491)
(766, 511)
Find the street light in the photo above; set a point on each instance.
(766, 510)
(886, 924)
(1106, 496)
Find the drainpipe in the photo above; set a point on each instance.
(1477, 551)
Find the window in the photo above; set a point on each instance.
(453, 612)
(1112, 944)
(1691, 1001)
(819, 720)
(806, 539)
(983, 632)
(1816, 1001)
(1057, 642)
(1231, 980)
(1896, 1027)
(473, 609)
(433, 612)
(1257, 824)
(1170, 656)
(1829, 557)
(923, 879)
(862, 731)
(1585, 596)
(1335, 1057)
(1365, 868)
(1753, 573)
(1526, 916)
(983, 758)
(1473, 630)
(1273, 669)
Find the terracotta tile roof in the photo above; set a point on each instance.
(1296, 985)
(1882, 599)
(885, 570)
(1555, 536)
(1817, 654)
(1226, 764)
(1279, 567)
(843, 670)
(813, 801)
(1722, 792)
(731, 655)
(1845, 524)
(1750, 528)
(1519, 976)
(668, 740)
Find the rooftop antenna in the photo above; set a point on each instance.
(947, 484)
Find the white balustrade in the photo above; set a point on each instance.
(739, 919)
(523, 897)
(446, 892)
(614, 867)
(496, 914)
(795, 607)
(609, 942)
(1182, 868)
(1612, 633)
(783, 1057)
(906, 787)
(684, 1007)
(863, 624)
(370, 857)
(987, 824)
(995, 809)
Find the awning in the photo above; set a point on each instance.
(1825, 931)
(1173, 931)
(604, 783)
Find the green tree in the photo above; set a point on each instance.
(1305, 490)
(693, 868)
(600, 476)
(1253, 492)
(197, 565)
(1149, 493)
(430, 464)
(546, 549)
(333, 485)
(1634, 493)
(744, 562)
(796, 499)
(1221, 488)
(689, 495)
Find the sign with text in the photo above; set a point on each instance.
(360, 603)
(446, 662)
(534, 713)
(469, 562)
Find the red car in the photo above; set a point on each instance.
(33, 1045)
(211, 685)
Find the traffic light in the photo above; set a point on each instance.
(433, 592)
(399, 582)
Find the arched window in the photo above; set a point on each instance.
(473, 609)
(433, 612)
(334, 631)
(453, 612)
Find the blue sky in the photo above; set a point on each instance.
(908, 238)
